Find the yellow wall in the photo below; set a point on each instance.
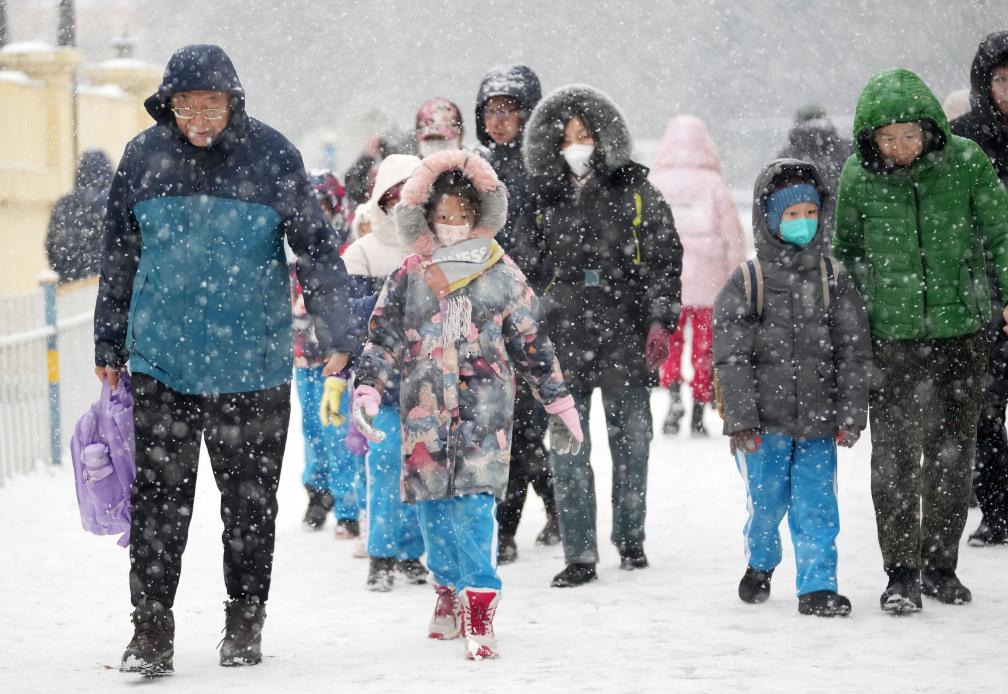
(44, 125)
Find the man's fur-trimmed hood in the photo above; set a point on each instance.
(544, 132)
(411, 213)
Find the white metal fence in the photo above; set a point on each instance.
(39, 389)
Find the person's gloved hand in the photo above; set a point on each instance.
(564, 426)
(366, 403)
(747, 441)
(356, 442)
(656, 349)
(847, 437)
(332, 396)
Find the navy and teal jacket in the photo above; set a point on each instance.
(194, 287)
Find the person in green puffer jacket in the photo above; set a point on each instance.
(916, 208)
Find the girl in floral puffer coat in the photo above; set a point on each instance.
(455, 323)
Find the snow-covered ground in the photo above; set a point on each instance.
(677, 627)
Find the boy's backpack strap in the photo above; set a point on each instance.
(752, 282)
(829, 281)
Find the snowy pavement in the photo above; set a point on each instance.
(677, 627)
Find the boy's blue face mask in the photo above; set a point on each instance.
(799, 231)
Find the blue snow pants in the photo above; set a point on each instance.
(393, 529)
(328, 463)
(796, 477)
(461, 538)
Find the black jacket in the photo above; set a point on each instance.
(74, 238)
(608, 254)
(520, 83)
(817, 142)
(798, 370)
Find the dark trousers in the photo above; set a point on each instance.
(990, 476)
(925, 400)
(529, 462)
(628, 423)
(245, 434)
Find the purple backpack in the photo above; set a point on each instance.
(103, 454)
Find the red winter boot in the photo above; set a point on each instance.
(478, 608)
(446, 624)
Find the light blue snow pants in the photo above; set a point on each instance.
(328, 463)
(393, 529)
(796, 477)
(461, 538)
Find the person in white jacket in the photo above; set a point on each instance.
(687, 171)
(394, 540)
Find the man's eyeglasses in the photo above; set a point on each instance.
(499, 112)
(187, 112)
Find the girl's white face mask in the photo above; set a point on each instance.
(578, 158)
(450, 234)
(433, 146)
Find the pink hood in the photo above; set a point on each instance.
(686, 144)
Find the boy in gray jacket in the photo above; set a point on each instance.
(792, 355)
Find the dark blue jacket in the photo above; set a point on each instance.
(194, 286)
(521, 84)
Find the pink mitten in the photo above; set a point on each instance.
(366, 403)
(564, 426)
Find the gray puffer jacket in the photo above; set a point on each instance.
(798, 370)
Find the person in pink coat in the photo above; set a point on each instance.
(687, 171)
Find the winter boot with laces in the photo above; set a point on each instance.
(550, 534)
(944, 585)
(446, 623)
(824, 603)
(755, 585)
(903, 594)
(380, 578)
(320, 503)
(243, 624)
(478, 608)
(675, 412)
(696, 425)
(412, 570)
(152, 648)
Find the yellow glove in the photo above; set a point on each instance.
(332, 397)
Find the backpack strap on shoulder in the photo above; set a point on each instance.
(829, 281)
(752, 283)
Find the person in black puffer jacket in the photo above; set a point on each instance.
(73, 242)
(987, 124)
(603, 240)
(504, 102)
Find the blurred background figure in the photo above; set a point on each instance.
(956, 104)
(438, 127)
(687, 172)
(360, 177)
(74, 239)
(814, 138)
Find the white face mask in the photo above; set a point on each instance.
(450, 234)
(578, 158)
(429, 147)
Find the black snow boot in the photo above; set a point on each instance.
(413, 570)
(575, 575)
(824, 603)
(347, 528)
(507, 550)
(320, 503)
(988, 534)
(755, 585)
(697, 426)
(380, 578)
(243, 623)
(675, 412)
(152, 648)
(944, 585)
(550, 534)
(633, 558)
(903, 594)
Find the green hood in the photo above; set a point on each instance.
(896, 96)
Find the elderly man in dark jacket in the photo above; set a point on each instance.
(987, 124)
(74, 239)
(504, 102)
(792, 353)
(195, 294)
